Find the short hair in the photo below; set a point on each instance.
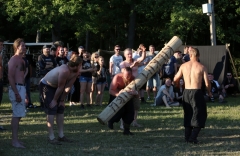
(128, 49)
(75, 60)
(151, 46)
(128, 69)
(1, 40)
(17, 43)
(195, 52)
(116, 46)
(167, 79)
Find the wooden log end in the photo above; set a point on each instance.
(100, 121)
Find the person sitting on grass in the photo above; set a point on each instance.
(215, 90)
(165, 95)
(229, 85)
(54, 87)
(178, 90)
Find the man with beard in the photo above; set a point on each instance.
(54, 87)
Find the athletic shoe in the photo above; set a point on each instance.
(82, 106)
(54, 142)
(64, 139)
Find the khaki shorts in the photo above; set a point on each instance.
(136, 103)
(18, 107)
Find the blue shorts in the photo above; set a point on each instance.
(85, 79)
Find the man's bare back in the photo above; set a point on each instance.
(193, 72)
(61, 72)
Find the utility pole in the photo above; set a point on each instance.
(212, 24)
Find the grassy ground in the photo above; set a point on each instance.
(162, 132)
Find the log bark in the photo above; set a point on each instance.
(153, 66)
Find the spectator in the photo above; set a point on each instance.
(165, 95)
(178, 89)
(61, 58)
(85, 79)
(186, 57)
(178, 56)
(101, 81)
(215, 90)
(229, 85)
(154, 82)
(169, 69)
(75, 91)
(115, 61)
(95, 64)
(80, 51)
(53, 51)
(46, 61)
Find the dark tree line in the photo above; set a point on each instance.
(103, 24)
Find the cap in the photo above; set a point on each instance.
(46, 46)
(80, 47)
(53, 48)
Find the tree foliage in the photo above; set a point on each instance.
(112, 22)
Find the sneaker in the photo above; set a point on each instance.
(64, 139)
(31, 106)
(148, 99)
(82, 106)
(168, 106)
(54, 142)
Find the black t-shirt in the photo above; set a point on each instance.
(61, 60)
(86, 65)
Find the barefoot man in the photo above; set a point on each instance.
(54, 87)
(194, 106)
(17, 90)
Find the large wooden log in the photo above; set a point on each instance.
(153, 66)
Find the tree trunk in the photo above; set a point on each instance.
(87, 40)
(38, 37)
(131, 27)
(56, 31)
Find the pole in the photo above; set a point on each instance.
(212, 24)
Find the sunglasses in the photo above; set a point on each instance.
(96, 56)
(117, 49)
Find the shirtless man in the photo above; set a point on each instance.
(17, 90)
(119, 82)
(54, 87)
(194, 106)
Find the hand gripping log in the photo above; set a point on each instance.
(153, 66)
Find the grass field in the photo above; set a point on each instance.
(162, 132)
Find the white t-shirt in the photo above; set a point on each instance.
(116, 60)
(135, 57)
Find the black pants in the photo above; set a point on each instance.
(1, 91)
(126, 112)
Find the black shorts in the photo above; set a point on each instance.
(195, 109)
(46, 94)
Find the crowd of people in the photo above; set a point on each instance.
(81, 76)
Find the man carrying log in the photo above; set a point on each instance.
(194, 106)
(119, 82)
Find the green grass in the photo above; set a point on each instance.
(162, 134)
